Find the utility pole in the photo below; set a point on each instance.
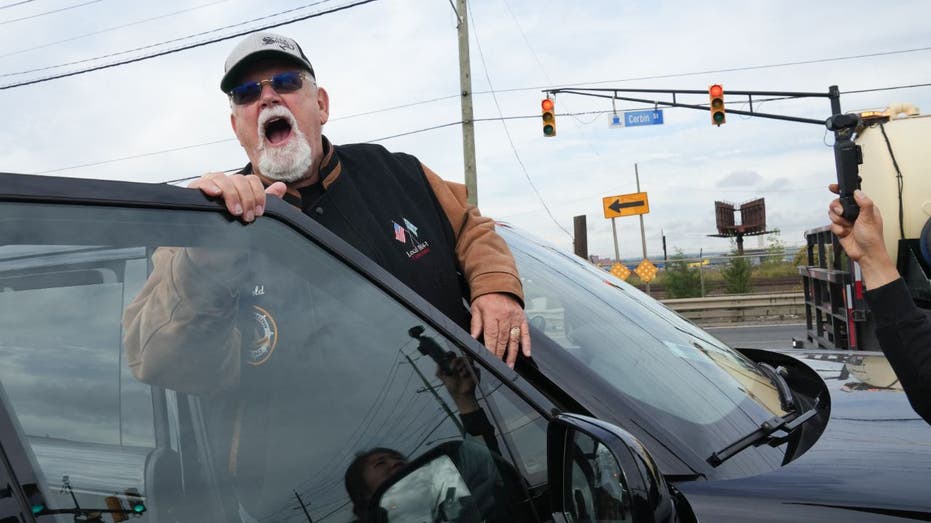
(643, 238)
(429, 388)
(465, 86)
(303, 507)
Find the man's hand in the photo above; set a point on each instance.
(501, 320)
(244, 195)
(862, 240)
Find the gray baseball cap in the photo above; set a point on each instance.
(259, 45)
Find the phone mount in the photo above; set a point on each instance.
(847, 157)
(429, 347)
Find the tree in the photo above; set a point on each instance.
(736, 274)
(681, 280)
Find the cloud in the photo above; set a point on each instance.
(740, 178)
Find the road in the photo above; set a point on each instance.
(759, 336)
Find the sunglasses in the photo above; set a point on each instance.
(286, 82)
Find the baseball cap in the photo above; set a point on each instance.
(258, 45)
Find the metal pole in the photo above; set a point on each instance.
(643, 238)
(617, 255)
(701, 271)
(580, 237)
(436, 396)
(465, 86)
(304, 508)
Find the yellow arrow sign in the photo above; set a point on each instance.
(626, 204)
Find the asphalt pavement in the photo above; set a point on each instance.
(760, 336)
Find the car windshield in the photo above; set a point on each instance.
(677, 376)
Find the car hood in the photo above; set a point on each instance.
(871, 463)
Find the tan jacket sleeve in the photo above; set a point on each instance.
(484, 257)
(180, 331)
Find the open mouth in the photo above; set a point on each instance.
(277, 130)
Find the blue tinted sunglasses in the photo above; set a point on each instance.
(286, 82)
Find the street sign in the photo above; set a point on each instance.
(620, 271)
(626, 205)
(646, 271)
(636, 118)
(640, 118)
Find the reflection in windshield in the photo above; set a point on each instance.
(685, 378)
(233, 378)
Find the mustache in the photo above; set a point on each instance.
(270, 113)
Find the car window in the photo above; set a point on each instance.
(238, 373)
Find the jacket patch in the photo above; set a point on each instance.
(407, 234)
(265, 337)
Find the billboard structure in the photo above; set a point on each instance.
(752, 220)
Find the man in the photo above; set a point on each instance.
(258, 338)
(278, 113)
(904, 332)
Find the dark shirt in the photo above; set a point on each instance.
(904, 334)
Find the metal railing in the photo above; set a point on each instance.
(738, 308)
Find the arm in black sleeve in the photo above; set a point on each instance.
(476, 423)
(904, 334)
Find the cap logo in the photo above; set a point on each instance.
(283, 43)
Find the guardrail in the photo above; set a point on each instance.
(740, 307)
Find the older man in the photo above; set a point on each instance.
(417, 226)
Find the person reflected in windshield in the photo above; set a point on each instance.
(477, 456)
(903, 331)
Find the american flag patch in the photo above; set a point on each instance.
(399, 233)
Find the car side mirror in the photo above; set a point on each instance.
(600, 472)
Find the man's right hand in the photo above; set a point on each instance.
(244, 195)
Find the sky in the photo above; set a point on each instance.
(391, 68)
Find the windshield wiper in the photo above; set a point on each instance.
(777, 376)
(764, 434)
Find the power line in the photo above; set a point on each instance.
(14, 4)
(114, 28)
(190, 46)
(37, 15)
(669, 75)
(163, 42)
(407, 133)
(507, 132)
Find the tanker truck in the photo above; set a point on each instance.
(896, 173)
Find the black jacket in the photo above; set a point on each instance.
(904, 333)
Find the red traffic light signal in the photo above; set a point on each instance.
(549, 117)
(716, 96)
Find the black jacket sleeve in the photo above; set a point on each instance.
(476, 424)
(904, 333)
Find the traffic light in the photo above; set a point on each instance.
(549, 117)
(716, 94)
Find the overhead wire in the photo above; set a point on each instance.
(164, 42)
(14, 4)
(37, 15)
(114, 28)
(398, 135)
(189, 46)
(389, 137)
(507, 132)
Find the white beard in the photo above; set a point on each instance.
(290, 162)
